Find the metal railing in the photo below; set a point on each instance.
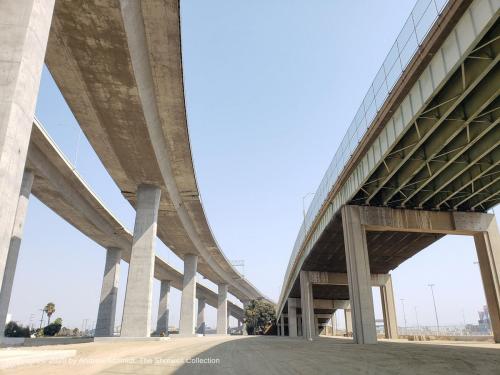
(423, 16)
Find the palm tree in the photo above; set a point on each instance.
(50, 309)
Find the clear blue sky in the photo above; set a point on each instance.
(271, 87)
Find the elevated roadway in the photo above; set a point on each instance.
(57, 184)
(425, 140)
(118, 64)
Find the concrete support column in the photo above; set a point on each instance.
(334, 324)
(136, 321)
(307, 306)
(222, 310)
(228, 319)
(188, 299)
(292, 318)
(163, 310)
(488, 254)
(282, 325)
(389, 310)
(299, 326)
(200, 322)
(245, 305)
(348, 321)
(105, 325)
(24, 31)
(15, 244)
(359, 277)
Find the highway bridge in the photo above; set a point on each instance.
(118, 65)
(420, 160)
(51, 178)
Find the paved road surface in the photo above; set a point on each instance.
(272, 355)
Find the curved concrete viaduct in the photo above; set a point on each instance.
(56, 184)
(119, 66)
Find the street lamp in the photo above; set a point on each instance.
(416, 317)
(404, 315)
(435, 309)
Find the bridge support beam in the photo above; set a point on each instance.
(282, 325)
(15, 245)
(163, 310)
(358, 273)
(292, 318)
(307, 306)
(222, 310)
(188, 299)
(348, 322)
(24, 32)
(488, 254)
(333, 320)
(389, 310)
(200, 321)
(136, 321)
(105, 325)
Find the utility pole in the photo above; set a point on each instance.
(404, 315)
(416, 317)
(41, 319)
(435, 309)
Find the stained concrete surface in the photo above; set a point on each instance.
(274, 355)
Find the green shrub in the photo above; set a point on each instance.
(12, 329)
(52, 329)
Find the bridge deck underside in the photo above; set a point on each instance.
(387, 250)
(449, 158)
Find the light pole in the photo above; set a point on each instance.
(435, 309)
(416, 317)
(404, 315)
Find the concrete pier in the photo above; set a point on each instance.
(292, 318)
(282, 325)
(15, 245)
(24, 31)
(163, 311)
(389, 310)
(222, 310)
(200, 321)
(359, 277)
(488, 254)
(105, 324)
(188, 299)
(307, 306)
(348, 321)
(136, 321)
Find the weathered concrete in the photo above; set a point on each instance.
(58, 186)
(136, 321)
(149, 142)
(292, 318)
(105, 325)
(358, 272)
(389, 310)
(222, 322)
(15, 245)
(488, 254)
(200, 320)
(307, 306)
(163, 310)
(188, 299)
(24, 30)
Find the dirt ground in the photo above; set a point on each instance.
(271, 355)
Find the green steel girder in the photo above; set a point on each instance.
(452, 146)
